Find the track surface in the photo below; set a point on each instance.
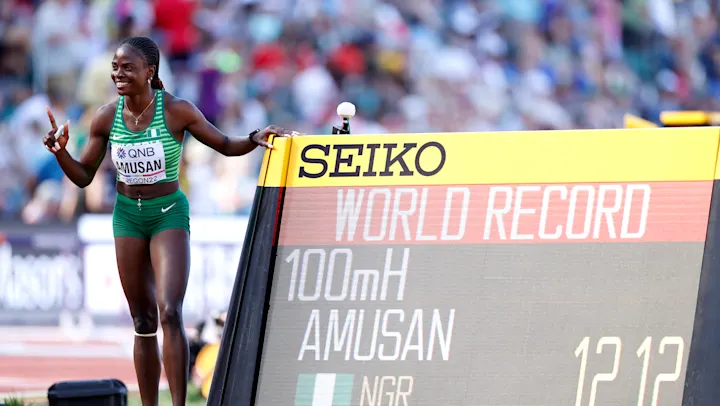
(32, 359)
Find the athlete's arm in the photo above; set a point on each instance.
(205, 132)
(82, 172)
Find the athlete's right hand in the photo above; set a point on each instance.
(57, 138)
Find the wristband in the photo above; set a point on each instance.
(252, 134)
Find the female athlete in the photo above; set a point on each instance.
(145, 128)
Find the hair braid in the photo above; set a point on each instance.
(151, 53)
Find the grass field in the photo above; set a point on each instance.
(194, 399)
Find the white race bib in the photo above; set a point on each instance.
(139, 164)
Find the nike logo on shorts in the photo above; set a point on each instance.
(168, 208)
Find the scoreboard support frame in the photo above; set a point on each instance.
(237, 370)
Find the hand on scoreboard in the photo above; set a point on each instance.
(261, 137)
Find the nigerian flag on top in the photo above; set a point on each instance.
(324, 390)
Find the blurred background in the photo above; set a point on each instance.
(409, 66)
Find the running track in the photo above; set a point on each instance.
(32, 359)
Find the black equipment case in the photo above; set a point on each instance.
(105, 392)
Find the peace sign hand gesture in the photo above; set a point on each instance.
(57, 138)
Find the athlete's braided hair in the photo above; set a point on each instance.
(151, 53)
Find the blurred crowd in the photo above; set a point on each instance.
(408, 65)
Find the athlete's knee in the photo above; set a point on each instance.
(171, 315)
(145, 325)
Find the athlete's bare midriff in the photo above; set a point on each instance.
(147, 192)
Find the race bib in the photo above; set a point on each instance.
(139, 164)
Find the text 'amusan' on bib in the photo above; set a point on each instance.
(139, 164)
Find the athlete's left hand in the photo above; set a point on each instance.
(261, 137)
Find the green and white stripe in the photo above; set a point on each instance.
(324, 390)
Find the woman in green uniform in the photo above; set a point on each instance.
(145, 128)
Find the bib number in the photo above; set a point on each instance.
(139, 164)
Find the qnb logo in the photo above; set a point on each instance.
(389, 159)
(121, 153)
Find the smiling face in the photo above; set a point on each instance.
(130, 71)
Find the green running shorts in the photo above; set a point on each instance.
(151, 216)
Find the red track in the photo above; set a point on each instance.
(34, 375)
(31, 360)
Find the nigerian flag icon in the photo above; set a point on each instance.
(324, 389)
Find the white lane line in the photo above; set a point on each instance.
(62, 351)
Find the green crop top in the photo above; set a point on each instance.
(145, 157)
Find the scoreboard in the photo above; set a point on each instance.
(520, 268)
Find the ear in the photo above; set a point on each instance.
(151, 72)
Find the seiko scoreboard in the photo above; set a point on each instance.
(531, 268)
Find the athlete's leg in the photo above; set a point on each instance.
(170, 254)
(136, 276)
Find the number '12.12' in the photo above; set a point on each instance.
(643, 352)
